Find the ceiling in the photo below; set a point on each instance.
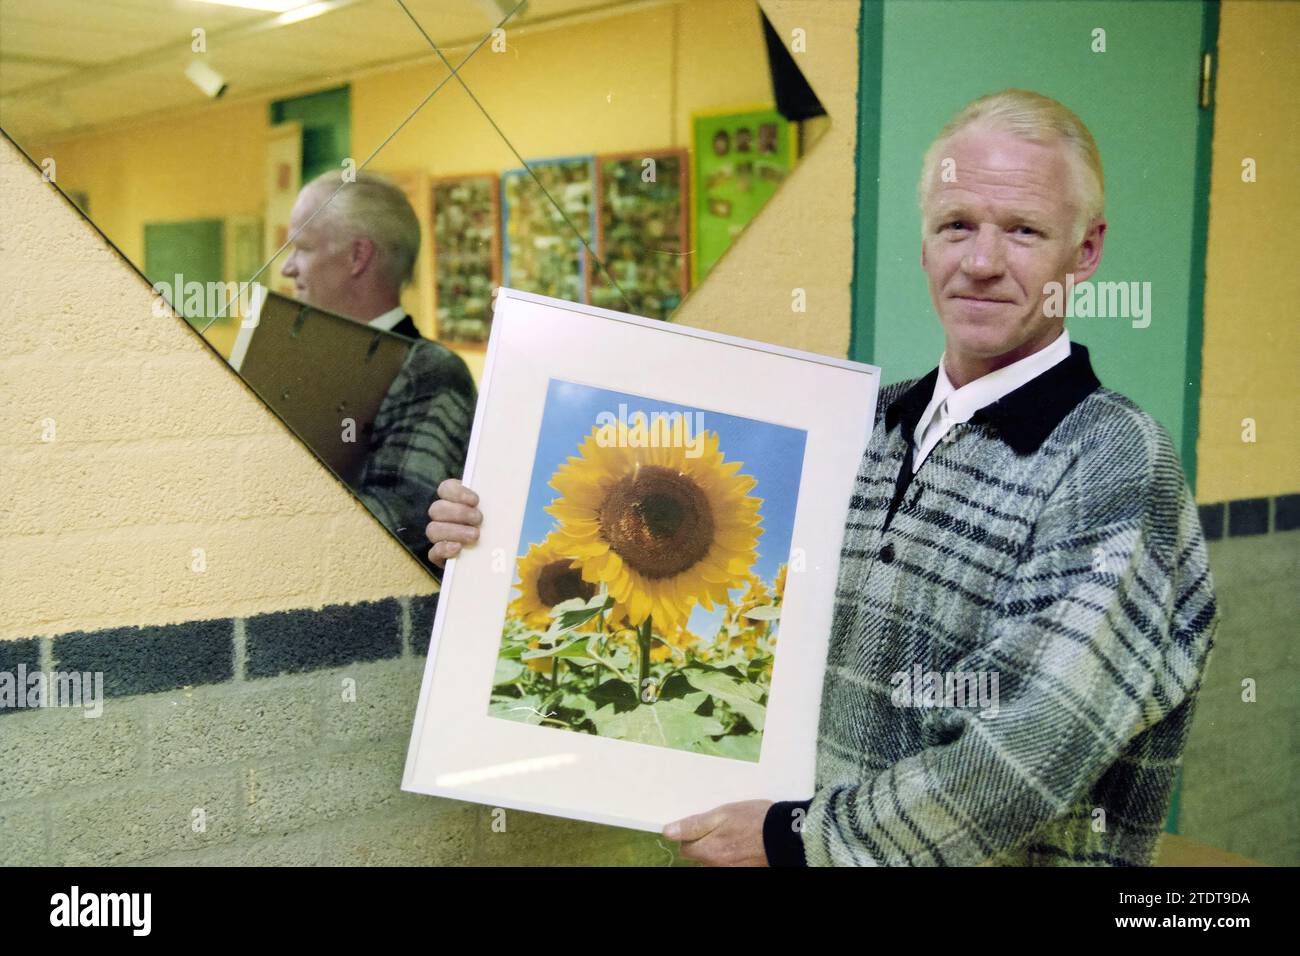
(69, 67)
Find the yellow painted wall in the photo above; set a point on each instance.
(210, 165)
(1252, 320)
(624, 83)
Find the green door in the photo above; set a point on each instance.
(924, 60)
(193, 251)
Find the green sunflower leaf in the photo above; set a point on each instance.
(667, 723)
(731, 689)
(507, 671)
(525, 710)
(735, 746)
(614, 693)
(757, 666)
(576, 649)
(675, 685)
(768, 612)
(576, 612)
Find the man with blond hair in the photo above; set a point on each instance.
(355, 244)
(1013, 522)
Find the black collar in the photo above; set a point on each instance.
(407, 327)
(1023, 417)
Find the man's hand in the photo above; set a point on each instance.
(731, 835)
(453, 521)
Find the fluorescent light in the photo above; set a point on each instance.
(271, 6)
(307, 12)
(290, 11)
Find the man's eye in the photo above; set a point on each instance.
(1027, 230)
(955, 224)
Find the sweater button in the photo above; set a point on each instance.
(887, 553)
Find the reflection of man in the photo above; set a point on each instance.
(352, 257)
(1011, 519)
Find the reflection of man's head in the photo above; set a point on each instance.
(354, 244)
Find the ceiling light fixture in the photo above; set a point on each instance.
(207, 79)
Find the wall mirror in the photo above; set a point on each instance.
(601, 152)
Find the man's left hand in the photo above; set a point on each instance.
(731, 835)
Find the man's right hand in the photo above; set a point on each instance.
(453, 521)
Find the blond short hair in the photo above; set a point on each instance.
(1037, 119)
(374, 207)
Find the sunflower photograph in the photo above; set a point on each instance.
(650, 573)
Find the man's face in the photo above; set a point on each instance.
(319, 263)
(993, 240)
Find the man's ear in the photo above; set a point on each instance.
(1089, 254)
(361, 256)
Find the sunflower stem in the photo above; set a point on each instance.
(643, 639)
(555, 672)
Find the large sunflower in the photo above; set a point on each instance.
(547, 578)
(665, 531)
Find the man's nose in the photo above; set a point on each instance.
(984, 258)
(289, 269)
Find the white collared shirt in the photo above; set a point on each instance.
(389, 319)
(950, 405)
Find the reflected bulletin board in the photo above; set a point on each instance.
(466, 255)
(642, 231)
(741, 160)
(540, 252)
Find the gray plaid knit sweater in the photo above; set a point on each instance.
(420, 438)
(1053, 543)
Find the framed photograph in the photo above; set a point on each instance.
(641, 231)
(741, 160)
(467, 255)
(541, 252)
(640, 632)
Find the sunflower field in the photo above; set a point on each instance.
(596, 639)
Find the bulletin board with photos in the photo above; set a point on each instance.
(741, 160)
(467, 255)
(541, 253)
(642, 232)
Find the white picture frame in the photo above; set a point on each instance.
(457, 749)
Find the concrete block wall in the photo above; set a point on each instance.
(1241, 768)
(278, 738)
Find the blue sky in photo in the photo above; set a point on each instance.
(772, 454)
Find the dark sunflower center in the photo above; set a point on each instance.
(557, 582)
(662, 515)
(658, 521)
